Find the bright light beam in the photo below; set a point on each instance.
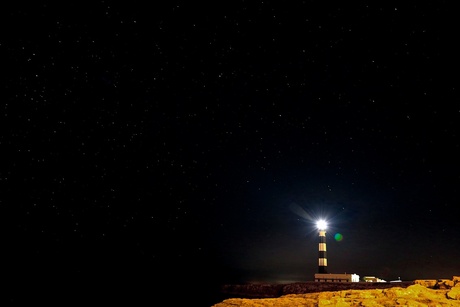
(300, 211)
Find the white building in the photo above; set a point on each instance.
(326, 277)
(372, 279)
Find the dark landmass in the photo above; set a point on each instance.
(277, 290)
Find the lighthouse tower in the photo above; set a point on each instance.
(322, 260)
(322, 275)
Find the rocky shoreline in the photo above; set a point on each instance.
(431, 291)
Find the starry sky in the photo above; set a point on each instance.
(191, 143)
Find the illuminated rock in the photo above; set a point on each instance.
(414, 295)
(454, 293)
(456, 280)
(429, 283)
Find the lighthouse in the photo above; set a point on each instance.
(322, 256)
(322, 275)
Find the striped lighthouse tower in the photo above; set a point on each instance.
(322, 260)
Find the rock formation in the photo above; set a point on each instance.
(422, 293)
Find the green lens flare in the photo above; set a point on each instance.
(338, 237)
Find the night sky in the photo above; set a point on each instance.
(168, 145)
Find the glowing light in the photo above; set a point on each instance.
(321, 224)
(338, 237)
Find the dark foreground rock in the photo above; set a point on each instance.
(277, 290)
